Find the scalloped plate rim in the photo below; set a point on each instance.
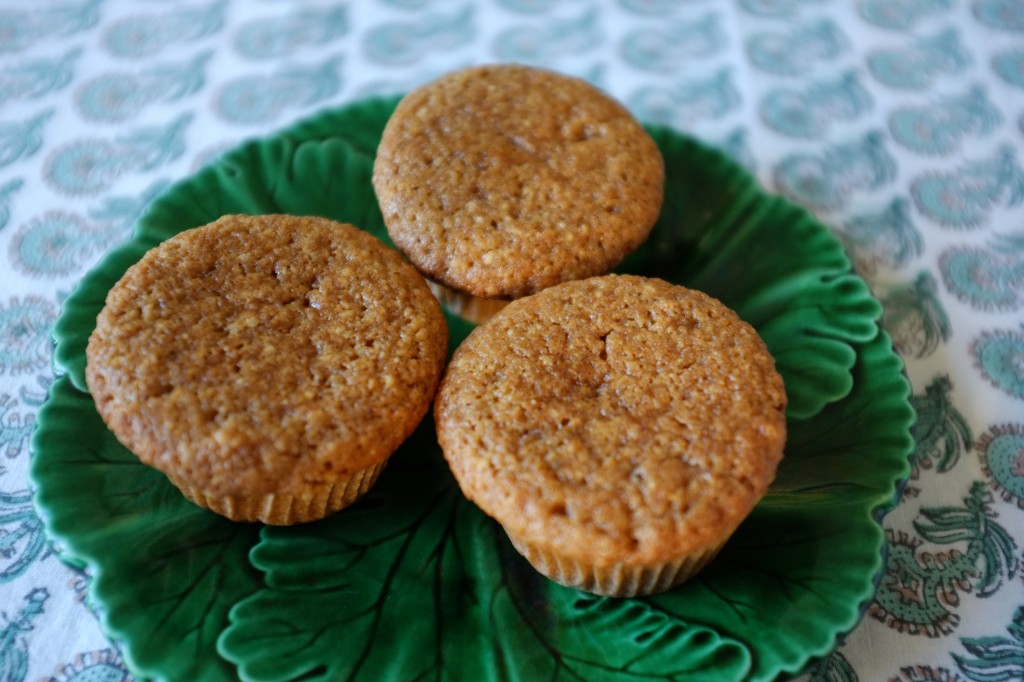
(141, 233)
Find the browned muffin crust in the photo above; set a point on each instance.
(614, 420)
(498, 181)
(266, 355)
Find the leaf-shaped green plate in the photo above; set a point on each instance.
(413, 580)
(164, 572)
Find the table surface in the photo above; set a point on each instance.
(899, 123)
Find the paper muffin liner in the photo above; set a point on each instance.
(285, 510)
(467, 306)
(617, 580)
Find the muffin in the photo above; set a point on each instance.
(267, 365)
(618, 428)
(498, 181)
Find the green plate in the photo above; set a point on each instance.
(413, 581)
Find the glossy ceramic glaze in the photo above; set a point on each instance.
(413, 581)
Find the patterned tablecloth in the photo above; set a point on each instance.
(900, 123)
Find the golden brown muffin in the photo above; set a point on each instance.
(618, 428)
(499, 181)
(268, 365)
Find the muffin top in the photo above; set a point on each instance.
(264, 354)
(614, 419)
(499, 181)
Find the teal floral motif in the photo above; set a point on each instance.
(736, 147)
(397, 86)
(1002, 14)
(799, 50)
(901, 15)
(642, 7)
(962, 198)
(7, 191)
(22, 139)
(22, 539)
(596, 74)
(925, 673)
(942, 433)
(826, 181)
(37, 77)
(914, 316)
(774, 8)
(260, 99)
(14, 636)
(120, 213)
(999, 356)
(407, 42)
(15, 428)
(37, 396)
(25, 334)
(1001, 450)
(920, 589)
(118, 96)
(418, 4)
(147, 34)
(916, 67)
(886, 238)
(987, 278)
(688, 102)
(276, 37)
(58, 243)
(995, 659)
(937, 127)
(207, 155)
(24, 26)
(1009, 66)
(557, 38)
(104, 665)
(807, 113)
(90, 166)
(833, 668)
(663, 49)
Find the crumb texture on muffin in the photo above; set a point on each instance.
(266, 355)
(501, 180)
(614, 419)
